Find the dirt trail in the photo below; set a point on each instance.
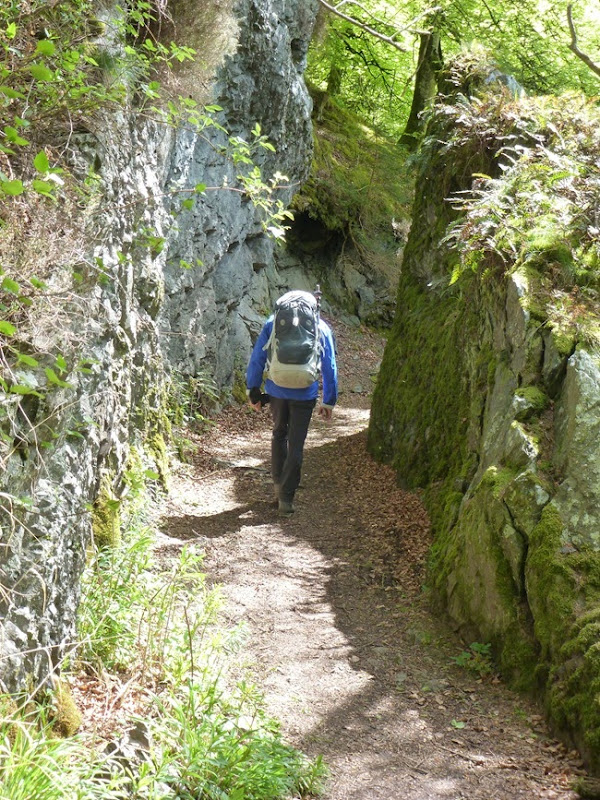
(350, 659)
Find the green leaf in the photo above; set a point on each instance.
(11, 31)
(200, 188)
(41, 163)
(41, 73)
(29, 361)
(457, 723)
(61, 363)
(12, 188)
(10, 286)
(45, 48)
(20, 388)
(53, 378)
(150, 473)
(12, 134)
(85, 366)
(8, 91)
(188, 204)
(38, 284)
(43, 187)
(7, 328)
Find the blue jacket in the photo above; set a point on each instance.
(258, 360)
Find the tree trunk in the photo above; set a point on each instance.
(429, 64)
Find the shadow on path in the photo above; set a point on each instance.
(350, 658)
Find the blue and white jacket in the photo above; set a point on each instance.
(258, 360)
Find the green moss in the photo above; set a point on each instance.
(564, 594)
(498, 479)
(154, 421)
(238, 390)
(550, 582)
(536, 402)
(156, 448)
(547, 242)
(564, 342)
(106, 516)
(65, 716)
(349, 188)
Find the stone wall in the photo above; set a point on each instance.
(488, 404)
(136, 314)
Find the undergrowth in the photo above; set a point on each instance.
(208, 735)
(349, 189)
(538, 213)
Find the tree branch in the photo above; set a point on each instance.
(574, 47)
(367, 28)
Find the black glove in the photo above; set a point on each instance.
(255, 395)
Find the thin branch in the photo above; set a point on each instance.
(367, 28)
(573, 46)
(366, 11)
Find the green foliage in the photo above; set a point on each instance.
(362, 74)
(216, 745)
(53, 73)
(192, 399)
(34, 763)
(478, 659)
(211, 735)
(349, 196)
(113, 586)
(538, 215)
(373, 80)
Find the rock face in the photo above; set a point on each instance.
(486, 403)
(145, 317)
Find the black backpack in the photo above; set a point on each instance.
(294, 347)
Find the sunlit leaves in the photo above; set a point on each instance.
(7, 328)
(12, 188)
(41, 163)
(41, 72)
(45, 48)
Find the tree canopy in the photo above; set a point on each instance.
(531, 40)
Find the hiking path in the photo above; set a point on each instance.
(342, 640)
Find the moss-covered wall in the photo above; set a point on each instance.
(489, 391)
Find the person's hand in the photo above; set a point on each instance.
(254, 398)
(326, 413)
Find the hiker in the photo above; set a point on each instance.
(296, 346)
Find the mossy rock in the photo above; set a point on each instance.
(65, 716)
(156, 447)
(238, 390)
(106, 516)
(531, 401)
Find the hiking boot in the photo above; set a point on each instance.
(286, 507)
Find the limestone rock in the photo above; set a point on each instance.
(186, 306)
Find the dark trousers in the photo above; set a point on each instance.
(291, 419)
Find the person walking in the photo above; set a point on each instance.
(295, 347)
